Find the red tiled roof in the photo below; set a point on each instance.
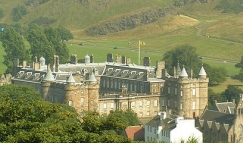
(135, 133)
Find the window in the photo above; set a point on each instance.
(168, 103)
(193, 105)
(70, 102)
(82, 101)
(181, 93)
(107, 83)
(112, 84)
(155, 113)
(193, 91)
(132, 104)
(104, 106)
(175, 91)
(103, 83)
(140, 103)
(119, 84)
(150, 129)
(112, 105)
(130, 87)
(135, 87)
(115, 85)
(148, 113)
(175, 104)
(155, 102)
(53, 98)
(162, 102)
(155, 131)
(169, 90)
(148, 103)
(181, 106)
(161, 90)
(141, 114)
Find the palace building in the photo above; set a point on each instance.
(116, 85)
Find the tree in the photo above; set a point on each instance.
(131, 117)
(118, 120)
(26, 117)
(185, 55)
(40, 46)
(212, 96)
(232, 92)
(92, 122)
(111, 137)
(240, 65)
(18, 12)
(1, 13)
(240, 75)
(14, 47)
(216, 75)
(55, 39)
(64, 33)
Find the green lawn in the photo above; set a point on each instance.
(220, 88)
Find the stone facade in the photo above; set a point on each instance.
(5, 79)
(117, 86)
(185, 96)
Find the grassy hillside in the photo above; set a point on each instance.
(214, 34)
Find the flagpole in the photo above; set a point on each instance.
(138, 52)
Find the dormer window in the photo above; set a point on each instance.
(37, 76)
(95, 71)
(84, 71)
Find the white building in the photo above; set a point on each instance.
(171, 130)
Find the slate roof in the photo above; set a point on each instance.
(167, 123)
(79, 68)
(226, 107)
(219, 117)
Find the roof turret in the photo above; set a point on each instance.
(70, 79)
(202, 72)
(49, 76)
(92, 78)
(183, 73)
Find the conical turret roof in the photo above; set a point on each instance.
(71, 79)
(202, 72)
(92, 78)
(49, 76)
(183, 73)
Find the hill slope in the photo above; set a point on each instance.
(198, 24)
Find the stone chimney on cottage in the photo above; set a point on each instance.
(162, 115)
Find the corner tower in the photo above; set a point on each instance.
(46, 84)
(203, 90)
(93, 93)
